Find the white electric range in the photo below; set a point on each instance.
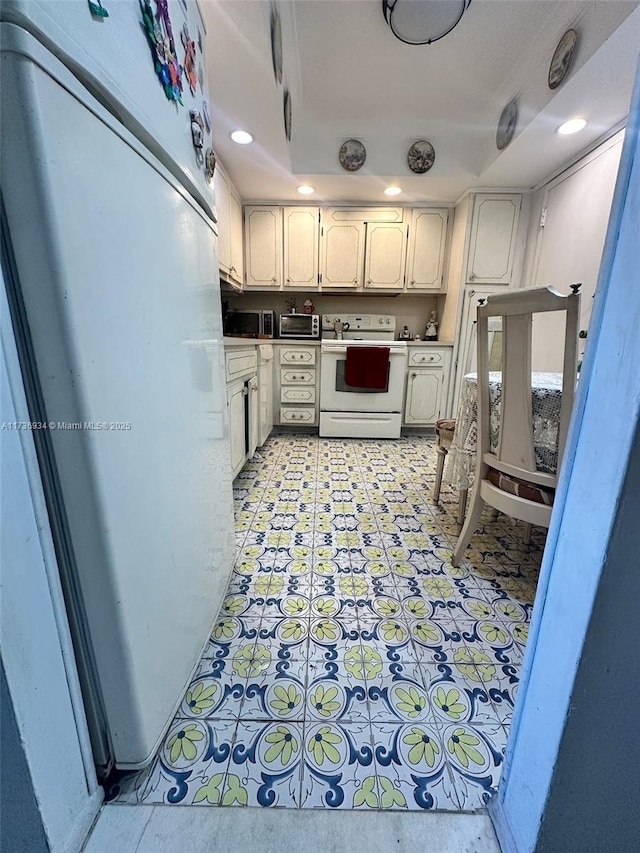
(347, 412)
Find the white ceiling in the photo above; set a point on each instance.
(350, 77)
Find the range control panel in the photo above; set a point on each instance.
(361, 322)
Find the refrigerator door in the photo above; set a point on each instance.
(113, 59)
(118, 273)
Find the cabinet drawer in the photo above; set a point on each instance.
(297, 355)
(297, 416)
(427, 357)
(291, 376)
(240, 363)
(297, 395)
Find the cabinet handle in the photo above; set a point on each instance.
(413, 281)
(413, 375)
(232, 269)
(355, 281)
(369, 281)
(288, 280)
(274, 279)
(472, 277)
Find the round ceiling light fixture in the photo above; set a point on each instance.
(305, 189)
(574, 125)
(423, 21)
(242, 137)
(392, 191)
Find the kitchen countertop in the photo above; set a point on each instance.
(309, 342)
(252, 342)
(244, 342)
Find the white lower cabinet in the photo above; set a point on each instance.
(427, 382)
(297, 381)
(244, 408)
(265, 392)
(236, 401)
(289, 415)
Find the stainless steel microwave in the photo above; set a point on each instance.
(299, 326)
(254, 324)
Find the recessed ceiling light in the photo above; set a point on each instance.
(392, 191)
(571, 126)
(242, 137)
(305, 189)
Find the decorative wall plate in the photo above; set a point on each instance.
(563, 58)
(276, 44)
(421, 157)
(352, 155)
(507, 125)
(287, 115)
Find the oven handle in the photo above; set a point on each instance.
(342, 351)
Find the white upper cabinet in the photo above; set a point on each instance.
(221, 189)
(385, 255)
(301, 243)
(236, 269)
(493, 238)
(229, 215)
(263, 247)
(342, 254)
(311, 248)
(426, 253)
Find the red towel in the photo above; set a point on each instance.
(367, 367)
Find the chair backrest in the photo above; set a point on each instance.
(515, 453)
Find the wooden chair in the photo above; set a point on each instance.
(445, 429)
(508, 479)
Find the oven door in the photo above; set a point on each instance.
(335, 396)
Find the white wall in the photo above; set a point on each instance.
(572, 699)
(568, 248)
(34, 637)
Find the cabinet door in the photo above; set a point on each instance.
(253, 403)
(221, 188)
(301, 229)
(237, 431)
(265, 395)
(263, 247)
(385, 255)
(467, 341)
(424, 395)
(426, 255)
(342, 254)
(493, 238)
(236, 268)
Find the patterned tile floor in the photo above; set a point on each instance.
(352, 666)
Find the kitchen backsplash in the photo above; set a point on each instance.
(411, 311)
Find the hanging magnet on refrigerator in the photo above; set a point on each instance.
(197, 133)
(189, 59)
(205, 114)
(98, 10)
(160, 37)
(209, 164)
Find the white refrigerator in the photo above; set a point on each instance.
(109, 253)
